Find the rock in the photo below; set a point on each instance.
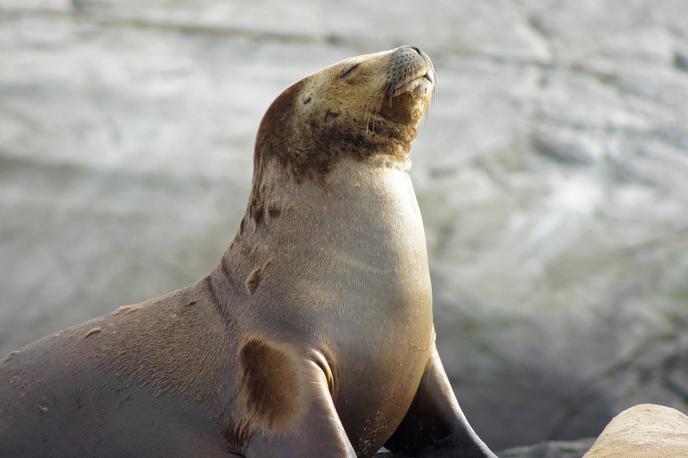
(551, 174)
(643, 431)
(552, 449)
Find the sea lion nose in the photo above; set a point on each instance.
(408, 48)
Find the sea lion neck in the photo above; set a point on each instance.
(330, 157)
(308, 144)
(309, 224)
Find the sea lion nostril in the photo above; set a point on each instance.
(417, 50)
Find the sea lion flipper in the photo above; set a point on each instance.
(434, 424)
(317, 431)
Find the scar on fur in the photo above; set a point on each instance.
(256, 209)
(92, 331)
(270, 384)
(127, 309)
(255, 277)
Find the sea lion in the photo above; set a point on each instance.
(312, 338)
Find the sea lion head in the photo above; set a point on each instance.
(358, 108)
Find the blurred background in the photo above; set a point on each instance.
(552, 173)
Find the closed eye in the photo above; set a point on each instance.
(349, 70)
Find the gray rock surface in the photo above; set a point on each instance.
(553, 449)
(551, 172)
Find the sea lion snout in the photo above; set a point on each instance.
(409, 65)
(409, 86)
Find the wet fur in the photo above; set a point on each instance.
(323, 294)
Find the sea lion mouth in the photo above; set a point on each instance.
(410, 71)
(408, 87)
(417, 85)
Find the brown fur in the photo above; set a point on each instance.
(300, 340)
(167, 346)
(270, 385)
(274, 211)
(311, 153)
(173, 351)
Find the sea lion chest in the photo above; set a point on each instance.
(353, 275)
(382, 350)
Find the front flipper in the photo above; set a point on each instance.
(289, 400)
(434, 425)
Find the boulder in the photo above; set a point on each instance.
(643, 431)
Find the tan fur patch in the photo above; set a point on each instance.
(309, 145)
(270, 385)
